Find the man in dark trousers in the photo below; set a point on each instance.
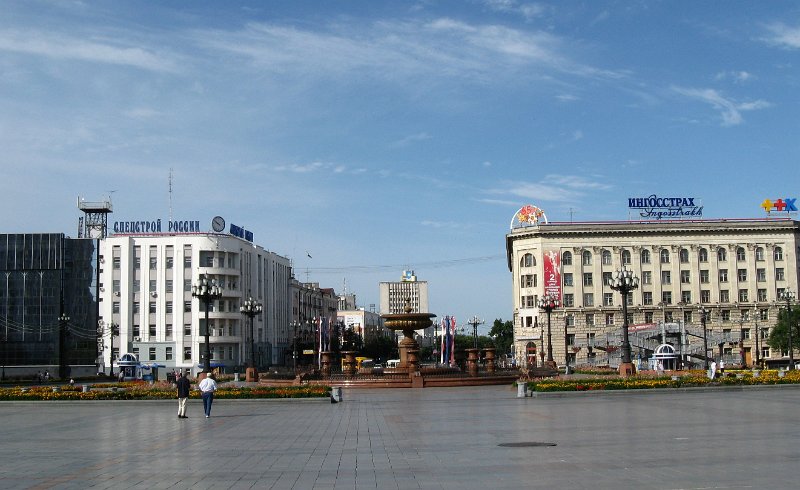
(184, 387)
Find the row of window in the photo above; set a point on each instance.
(666, 277)
(528, 260)
(207, 259)
(220, 328)
(219, 352)
(669, 317)
(220, 306)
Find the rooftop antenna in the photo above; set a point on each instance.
(571, 211)
(170, 194)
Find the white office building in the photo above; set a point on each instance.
(146, 291)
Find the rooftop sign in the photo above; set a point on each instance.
(784, 205)
(654, 207)
(528, 215)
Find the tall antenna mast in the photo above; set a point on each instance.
(170, 194)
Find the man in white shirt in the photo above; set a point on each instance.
(207, 388)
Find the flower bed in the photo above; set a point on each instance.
(159, 391)
(687, 379)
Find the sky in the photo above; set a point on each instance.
(361, 138)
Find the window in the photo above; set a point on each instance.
(569, 320)
(115, 307)
(666, 277)
(152, 285)
(648, 317)
(741, 256)
(567, 279)
(136, 307)
(778, 254)
(686, 297)
(566, 258)
(608, 299)
(168, 285)
(136, 331)
(764, 352)
(763, 314)
(187, 330)
(647, 297)
(590, 318)
(722, 255)
(168, 331)
(151, 354)
(645, 256)
(116, 286)
(587, 278)
(588, 299)
(153, 263)
(725, 315)
(151, 330)
(761, 275)
(187, 285)
(187, 306)
(527, 261)
(609, 318)
(116, 262)
(626, 257)
(666, 297)
(741, 275)
(779, 274)
(569, 299)
(606, 257)
(685, 277)
(761, 295)
(743, 296)
(684, 256)
(668, 317)
(187, 261)
(586, 258)
(169, 306)
(529, 301)
(136, 352)
(137, 263)
(168, 353)
(723, 275)
(170, 262)
(606, 278)
(664, 256)
(152, 307)
(528, 281)
(746, 333)
(704, 276)
(705, 296)
(647, 277)
(745, 315)
(702, 255)
(687, 317)
(724, 297)
(759, 253)
(187, 353)
(137, 285)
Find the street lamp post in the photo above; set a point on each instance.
(294, 346)
(548, 303)
(625, 282)
(703, 318)
(475, 321)
(63, 319)
(250, 308)
(757, 362)
(789, 296)
(206, 290)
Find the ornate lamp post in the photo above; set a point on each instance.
(475, 321)
(63, 319)
(789, 296)
(250, 308)
(757, 362)
(704, 312)
(294, 345)
(548, 303)
(625, 282)
(206, 290)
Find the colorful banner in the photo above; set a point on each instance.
(552, 273)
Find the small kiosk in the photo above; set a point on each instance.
(665, 354)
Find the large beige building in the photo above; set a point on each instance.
(737, 269)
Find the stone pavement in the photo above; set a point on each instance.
(425, 438)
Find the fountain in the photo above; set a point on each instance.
(408, 322)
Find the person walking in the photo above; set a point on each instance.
(207, 388)
(184, 388)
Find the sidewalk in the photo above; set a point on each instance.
(448, 438)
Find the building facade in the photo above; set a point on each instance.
(736, 269)
(395, 295)
(48, 311)
(146, 299)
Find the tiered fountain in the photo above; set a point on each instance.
(408, 322)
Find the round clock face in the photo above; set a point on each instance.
(218, 224)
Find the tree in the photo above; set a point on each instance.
(379, 348)
(779, 337)
(351, 340)
(503, 335)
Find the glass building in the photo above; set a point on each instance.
(43, 275)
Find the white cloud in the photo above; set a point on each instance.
(142, 113)
(577, 135)
(730, 111)
(68, 47)
(566, 98)
(411, 139)
(783, 36)
(737, 76)
(527, 10)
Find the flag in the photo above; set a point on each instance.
(446, 337)
(442, 344)
(453, 340)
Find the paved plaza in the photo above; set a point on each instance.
(475, 437)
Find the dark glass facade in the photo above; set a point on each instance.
(41, 276)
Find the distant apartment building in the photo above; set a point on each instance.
(395, 295)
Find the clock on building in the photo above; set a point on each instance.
(218, 224)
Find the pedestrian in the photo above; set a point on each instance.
(660, 367)
(713, 370)
(721, 368)
(182, 383)
(207, 388)
(47, 376)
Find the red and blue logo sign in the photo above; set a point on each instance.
(781, 205)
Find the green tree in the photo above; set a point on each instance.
(503, 335)
(779, 337)
(380, 348)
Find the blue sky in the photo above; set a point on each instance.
(376, 136)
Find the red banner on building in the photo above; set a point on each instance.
(552, 273)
